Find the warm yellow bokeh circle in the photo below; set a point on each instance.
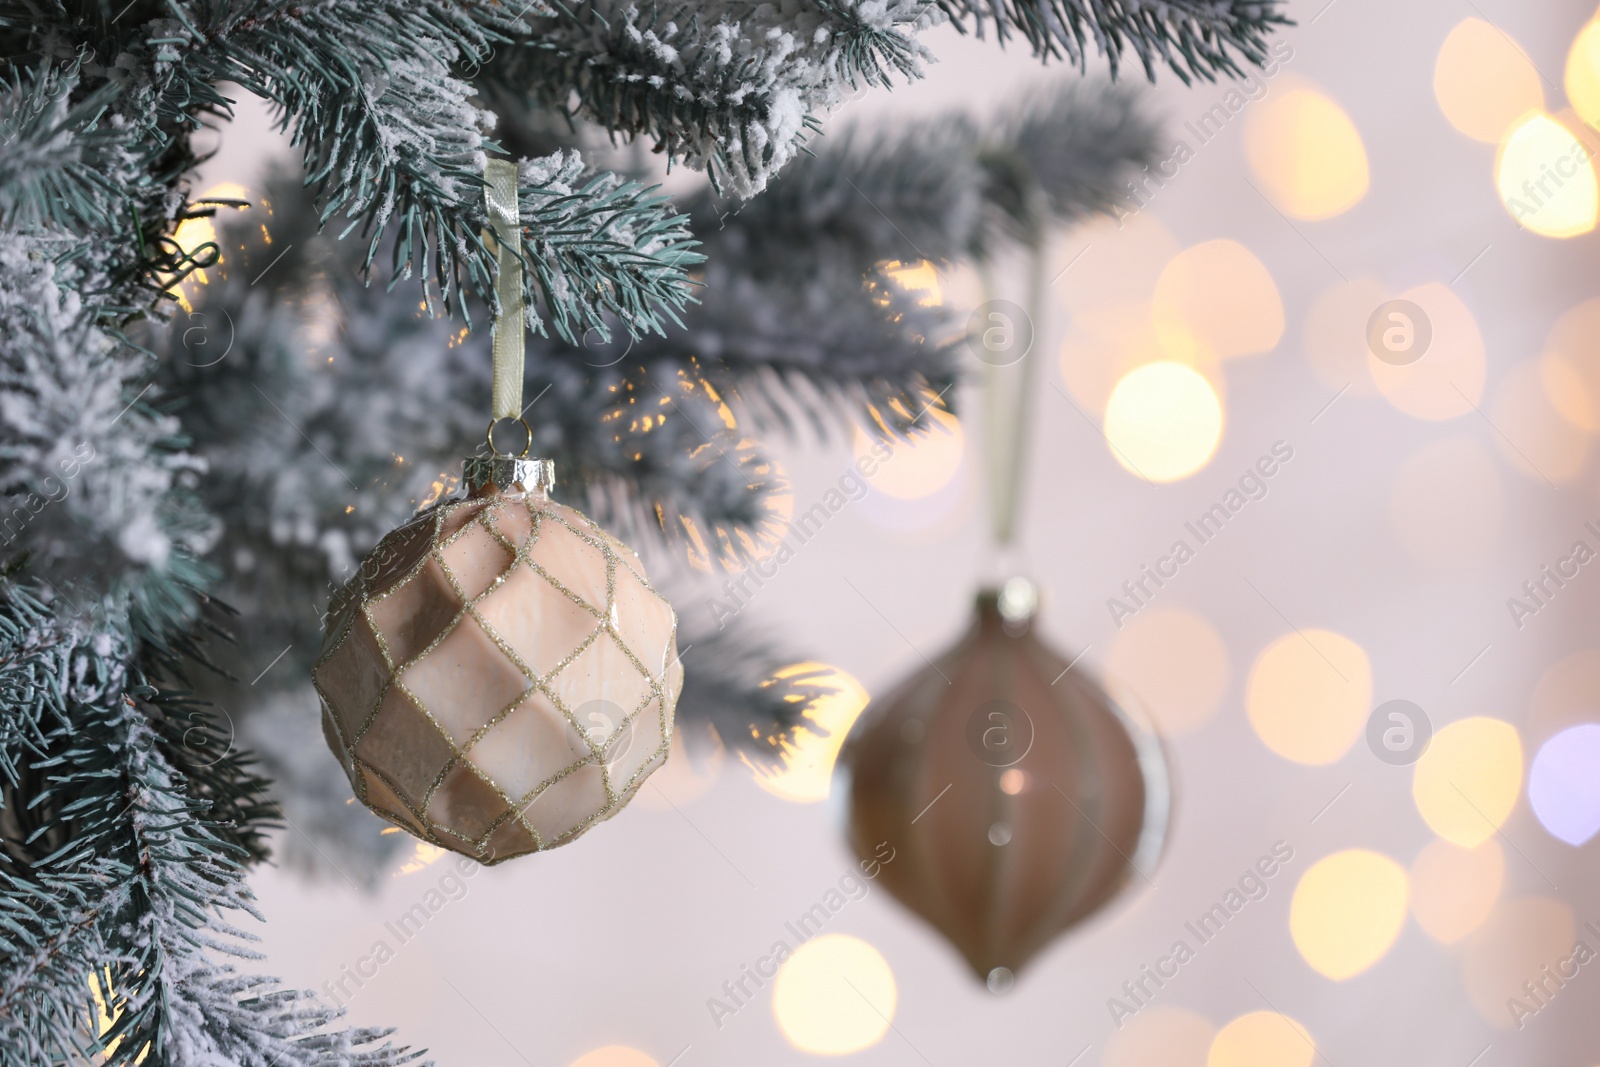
(834, 996)
(1583, 74)
(1447, 381)
(1309, 695)
(1453, 889)
(1160, 1035)
(1306, 153)
(915, 467)
(1545, 178)
(1348, 908)
(1174, 664)
(614, 1056)
(1467, 782)
(807, 774)
(1262, 1039)
(1163, 421)
(1484, 81)
(1218, 296)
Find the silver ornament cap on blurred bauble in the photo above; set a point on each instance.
(499, 676)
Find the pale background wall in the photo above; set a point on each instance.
(622, 938)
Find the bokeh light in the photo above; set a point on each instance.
(1348, 908)
(1583, 73)
(834, 996)
(920, 278)
(1545, 179)
(1453, 889)
(1306, 153)
(808, 773)
(1163, 421)
(1520, 938)
(1448, 380)
(1160, 1035)
(1566, 387)
(1448, 504)
(192, 235)
(1102, 344)
(1573, 352)
(1309, 694)
(1533, 434)
(1262, 1039)
(614, 1056)
(1174, 664)
(1336, 334)
(1219, 295)
(1565, 694)
(422, 856)
(1109, 262)
(1564, 783)
(919, 466)
(1484, 81)
(1467, 782)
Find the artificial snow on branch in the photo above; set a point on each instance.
(732, 86)
(1195, 38)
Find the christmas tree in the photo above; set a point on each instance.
(191, 469)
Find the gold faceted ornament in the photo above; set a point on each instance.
(499, 675)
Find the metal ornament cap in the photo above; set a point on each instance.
(508, 474)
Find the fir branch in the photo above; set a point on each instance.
(52, 937)
(732, 87)
(137, 893)
(63, 163)
(939, 189)
(31, 671)
(403, 150)
(1058, 157)
(733, 698)
(94, 485)
(1195, 38)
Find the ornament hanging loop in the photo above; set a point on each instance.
(527, 438)
(506, 472)
(505, 236)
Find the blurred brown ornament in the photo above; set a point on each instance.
(1019, 798)
(499, 675)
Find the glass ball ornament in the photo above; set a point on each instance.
(499, 675)
(1019, 798)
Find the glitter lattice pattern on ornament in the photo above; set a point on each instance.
(499, 676)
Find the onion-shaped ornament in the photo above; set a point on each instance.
(499, 675)
(1019, 798)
